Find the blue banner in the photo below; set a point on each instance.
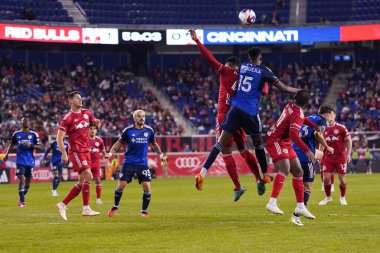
(271, 36)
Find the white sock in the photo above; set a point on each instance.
(63, 204)
(85, 207)
(273, 201)
(300, 205)
(203, 172)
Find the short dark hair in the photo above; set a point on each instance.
(254, 53)
(302, 98)
(233, 60)
(72, 94)
(325, 109)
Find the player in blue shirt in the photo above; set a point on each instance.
(26, 141)
(55, 163)
(137, 137)
(311, 138)
(244, 111)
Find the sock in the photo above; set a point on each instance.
(72, 194)
(212, 156)
(21, 195)
(231, 169)
(298, 188)
(98, 191)
(306, 196)
(146, 201)
(260, 154)
(118, 195)
(327, 190)
(55, 182)
(86, 193)
(342, 190)
(203, 171)
(26, 189)
(278, 183)
(252, 162)
(332, 178)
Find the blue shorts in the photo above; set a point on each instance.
(367, 161)
(237, 118)
(57, 166)
(354, 161)
(308, 172)
(128, 170)
(23, 170)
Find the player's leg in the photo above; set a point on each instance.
(20, 173)
(308, 180)
(328, 169)
(342, 170)
(28, 177)
(56, 179)
(145, 199)
(125, 177)
(297, 182)
(282, 167)
(98, 188)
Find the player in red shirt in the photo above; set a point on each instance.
(76, 124)
(279, 138)
(337, 137)
(96, 147)
(228, 76)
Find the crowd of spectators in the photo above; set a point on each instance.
(358, 104)
(40, 93)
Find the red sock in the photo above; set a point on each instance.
(332, 178)
(342, 190)
(72, 194)
(278, 183)
(98, 190)
(298, 188)
(86, 193)
(231, 169)
(327, 189)
(252, 162)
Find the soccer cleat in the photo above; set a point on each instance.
(112, 211)
(198, 181)
(89, 212)
(296, 220)
(21, 204)
(99, 201)
(54, 193)
(62, 211)
(267, 179)
(274, 208)
(260, 187)
(325, 201)
(144, 214)
(304, 212)
(238, 193)
(343, 201)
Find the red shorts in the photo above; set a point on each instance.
(239, 137)
(96, 172)
(330, 166)
(81, 161)
(279, 150)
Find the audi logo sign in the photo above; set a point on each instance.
(42, 174)
(187, 162)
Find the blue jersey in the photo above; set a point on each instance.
(57, 154)
(138, 141)
(251, 83)
(307, 135)
(25, 155)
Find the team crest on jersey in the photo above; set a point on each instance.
(29, 137)
(85, 116)
(97, 144)
(84, 163)
(285, 150)
(336, 131)
(146, 134)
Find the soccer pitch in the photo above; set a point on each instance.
(186, 220)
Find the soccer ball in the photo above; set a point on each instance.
(247, 16)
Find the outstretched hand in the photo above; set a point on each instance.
(193, 34)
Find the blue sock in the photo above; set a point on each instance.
(118, 195)
(26, 189)
(213, 154)
(306, 196)
(146, 201)
(260, 154)
(55, 182)
(22, 195)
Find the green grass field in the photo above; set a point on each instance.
(185, 220)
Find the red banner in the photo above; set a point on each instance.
(40, 33)
(360, 32)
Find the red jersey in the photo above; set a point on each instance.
(334, 137)
(76, 125)
(288, 126)
(96, 147)
(228, 77)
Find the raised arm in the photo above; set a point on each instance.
(285, 88)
